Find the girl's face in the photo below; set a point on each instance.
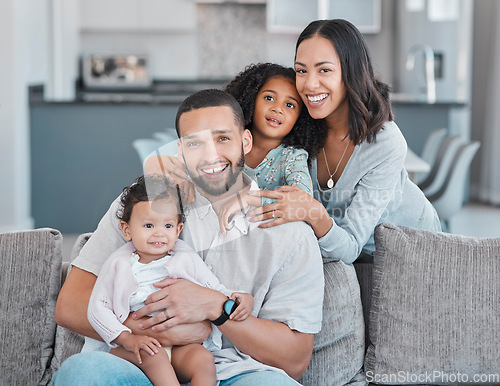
(153, 228)
(277, 108)
(319, 77)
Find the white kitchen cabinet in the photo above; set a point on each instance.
(292, 16)
(138, 15)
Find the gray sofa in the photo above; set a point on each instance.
(431, 301)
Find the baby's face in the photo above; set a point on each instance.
(153, 228)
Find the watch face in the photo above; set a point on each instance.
(230, 306)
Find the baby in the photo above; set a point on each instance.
(151, 220)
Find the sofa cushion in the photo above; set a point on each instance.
(30, 279)
(434, 315)
(339, 347)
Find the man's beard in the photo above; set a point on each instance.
(219, 189)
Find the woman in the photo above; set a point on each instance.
(358, 176)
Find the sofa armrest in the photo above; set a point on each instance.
(30, 269)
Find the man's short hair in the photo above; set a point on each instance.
(210, 98)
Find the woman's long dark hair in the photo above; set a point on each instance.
(368, 98)
(307, 133)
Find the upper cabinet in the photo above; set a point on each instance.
(291, 16)
(138, 15)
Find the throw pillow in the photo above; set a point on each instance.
(434, 315)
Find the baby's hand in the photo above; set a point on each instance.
(236, 204)
(245, 306)
(135, 343)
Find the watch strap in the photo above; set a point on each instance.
(227, 309)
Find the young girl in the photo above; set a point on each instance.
(151, 220)
(283, 132)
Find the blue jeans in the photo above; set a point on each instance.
(100, 368)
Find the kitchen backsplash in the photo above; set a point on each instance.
(219, 40)
(230, 36)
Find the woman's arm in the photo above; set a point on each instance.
(345, 237)
(292, 204)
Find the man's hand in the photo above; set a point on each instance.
(135, 343)
(182, 302)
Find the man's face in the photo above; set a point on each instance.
(213, 148)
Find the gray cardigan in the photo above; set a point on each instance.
(374, 188)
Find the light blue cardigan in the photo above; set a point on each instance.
(374, 188)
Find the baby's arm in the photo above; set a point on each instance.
(135, 343)
(156, 365)
(245, 306)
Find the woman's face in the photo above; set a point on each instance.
(319, 77)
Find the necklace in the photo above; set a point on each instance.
(330, 183)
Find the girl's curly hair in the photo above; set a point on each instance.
(149, 188)
(307, 133)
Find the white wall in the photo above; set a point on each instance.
(23, 60)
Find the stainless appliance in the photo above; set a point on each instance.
(116, 71)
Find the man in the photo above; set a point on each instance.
(281, 267)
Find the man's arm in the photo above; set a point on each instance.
(272, 343)
(73, 300)
(71, 313)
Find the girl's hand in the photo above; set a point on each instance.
(292, 204)
(238, 203)
(135, 343)
(174, 169)
(245, 306)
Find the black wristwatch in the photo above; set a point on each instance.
(227, 309)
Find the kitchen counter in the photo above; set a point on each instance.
(174, 92)
(416, 99)
(161, 92)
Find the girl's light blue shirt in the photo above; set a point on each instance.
(283, 165)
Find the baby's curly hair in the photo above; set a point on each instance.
(149, 188)
(307, 133)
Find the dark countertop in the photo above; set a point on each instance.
(161, 92)
(421, 100)
(175, 91)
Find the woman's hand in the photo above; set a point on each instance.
(174, 169)
(292, 204)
